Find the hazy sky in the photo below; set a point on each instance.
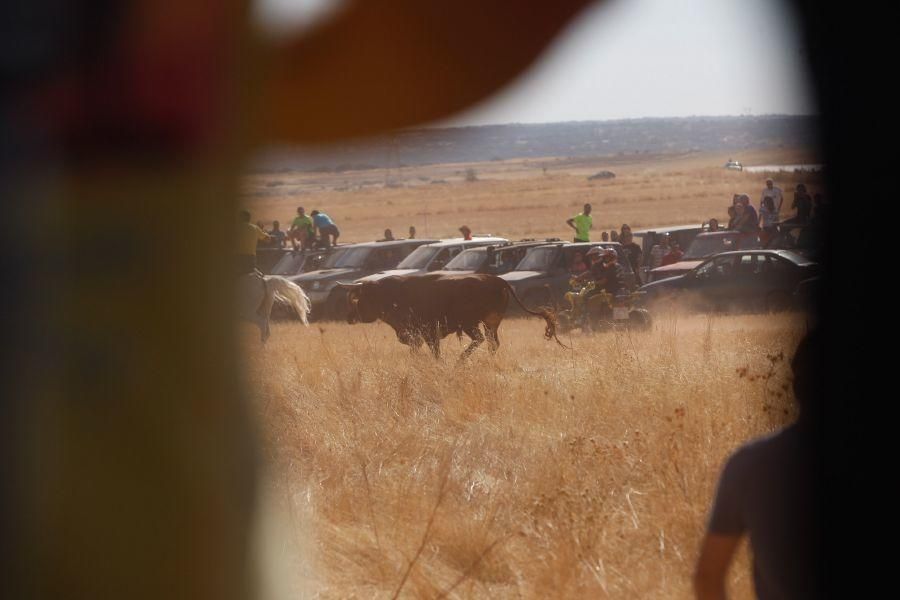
(646, 58)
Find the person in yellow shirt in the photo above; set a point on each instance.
(582, 223)
(247, 236)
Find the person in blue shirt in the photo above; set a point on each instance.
(325, 227)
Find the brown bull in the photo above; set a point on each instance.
(430, 307)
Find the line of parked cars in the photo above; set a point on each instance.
(719, 271)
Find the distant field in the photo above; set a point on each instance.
(538, 473)
(523, 198)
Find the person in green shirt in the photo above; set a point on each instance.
(582, 224)
(302, 229)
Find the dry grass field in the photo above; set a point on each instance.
(540, 472)
(536, 473)
(523, 198)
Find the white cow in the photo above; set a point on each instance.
(257, 294)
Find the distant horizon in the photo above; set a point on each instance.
(447, 125)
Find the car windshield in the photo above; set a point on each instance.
(797, 258)
(289, 264)
(419, 258)
(352, 258)
(706, 246)
(539, 259)
(332, 261)
(470, 260)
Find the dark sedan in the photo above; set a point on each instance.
(742, 280)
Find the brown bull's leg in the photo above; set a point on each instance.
(477, 339)
(493, 338)
(492, 330)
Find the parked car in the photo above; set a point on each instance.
(744, 279)
(495, 259)
(346, 264)
(807, 293)
(295, 262)
(647, 238)
(542, 277)
(805, 239)
(267, 257)
(702, 247)
(433, 257)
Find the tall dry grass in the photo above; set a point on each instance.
(536, 473)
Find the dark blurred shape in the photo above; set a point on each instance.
(766, 491)
(129, 451)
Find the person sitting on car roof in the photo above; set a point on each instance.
(278, 236)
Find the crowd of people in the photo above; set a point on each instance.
(763, 219)
(318, 230)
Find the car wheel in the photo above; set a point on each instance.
(777, 301)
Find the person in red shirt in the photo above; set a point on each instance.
(467, 233)
(674, 255)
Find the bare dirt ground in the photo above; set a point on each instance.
(536, 473)
(523, 198)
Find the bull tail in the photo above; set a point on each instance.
(291, 293)
(548, 315)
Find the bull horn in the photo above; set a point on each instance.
(349, 286)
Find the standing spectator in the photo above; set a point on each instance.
(388, 236)
(582, 224)
(659, 250)
(412, 232)
(613, 235)
(326, 228)
(248, 235)
(466, 232)
(674, 254)
(713, 225)
(732, 217)
(302, 229)
(604, 236)
(767, 219)
(748, 220)
(770, 191)
(765, 492)
(632, 251)
(802, 204)
(277, 235)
